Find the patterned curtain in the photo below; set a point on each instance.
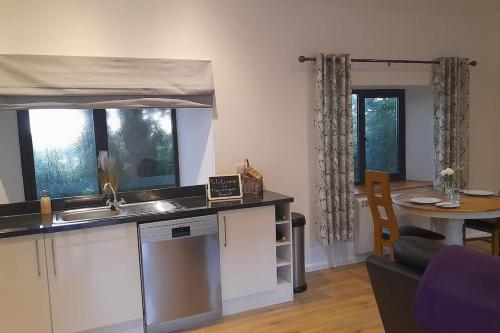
(333, 124)
(451, 117)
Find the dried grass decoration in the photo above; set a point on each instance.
(252, 181)
(107, 172)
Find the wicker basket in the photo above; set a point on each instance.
(251, 185)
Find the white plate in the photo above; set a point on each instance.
(479, 193)
(447, 204)
(425, 201)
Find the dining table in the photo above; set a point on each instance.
(449, 221)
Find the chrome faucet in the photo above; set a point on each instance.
(115, 204)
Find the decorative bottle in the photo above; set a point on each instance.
(45, 205)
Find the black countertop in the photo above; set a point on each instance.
(29, 224)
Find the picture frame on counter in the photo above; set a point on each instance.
(224, 187)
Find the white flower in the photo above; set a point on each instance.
(106, 162)
(447, 172)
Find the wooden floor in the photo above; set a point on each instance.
(338, 300)
(480, 246)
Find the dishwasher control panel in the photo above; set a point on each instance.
(181, 231)
(178, 228)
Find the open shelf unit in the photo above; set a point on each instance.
(283, 256)
(284, 275)
(284, 259)
(281, 262)
(282, 281)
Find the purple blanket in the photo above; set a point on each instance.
(459, 292)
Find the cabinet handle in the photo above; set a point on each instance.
(53, 256)
(37, 259)
(225, 232)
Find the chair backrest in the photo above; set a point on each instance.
(379, 195)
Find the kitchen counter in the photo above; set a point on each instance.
(28, 224)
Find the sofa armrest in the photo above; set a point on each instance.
(394, 286)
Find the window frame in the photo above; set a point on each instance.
(101, 143)
(401, 138)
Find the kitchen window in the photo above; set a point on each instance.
(379, 132)
(59, 149)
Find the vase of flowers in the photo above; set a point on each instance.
(451, 180)
(106, 170)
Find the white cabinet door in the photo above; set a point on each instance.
(94, 280)
(24, 293)
(248, 251)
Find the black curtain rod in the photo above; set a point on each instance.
(387, 61)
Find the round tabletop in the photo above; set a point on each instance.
(471, 207)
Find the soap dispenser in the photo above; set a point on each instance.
(45, 205)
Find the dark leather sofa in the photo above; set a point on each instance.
(395, 282)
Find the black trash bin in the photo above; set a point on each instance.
(299, 265)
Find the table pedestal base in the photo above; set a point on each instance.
(450, 228)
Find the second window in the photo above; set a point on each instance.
(379, 132)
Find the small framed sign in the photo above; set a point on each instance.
(224, 187)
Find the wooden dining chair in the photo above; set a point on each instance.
(385, 228)
(490, 226)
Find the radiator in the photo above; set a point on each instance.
(363, 227)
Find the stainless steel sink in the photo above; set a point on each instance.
(86, 214)
(101, 213)
(153, 207)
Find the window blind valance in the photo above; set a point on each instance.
(43, 81)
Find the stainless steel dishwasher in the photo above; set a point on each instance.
(180, 273)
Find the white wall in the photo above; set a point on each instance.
(11, 177)
(264, 96)
(196, 145)
(419, 128)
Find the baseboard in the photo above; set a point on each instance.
(317, 266)
(281, 294)
(132, 326)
